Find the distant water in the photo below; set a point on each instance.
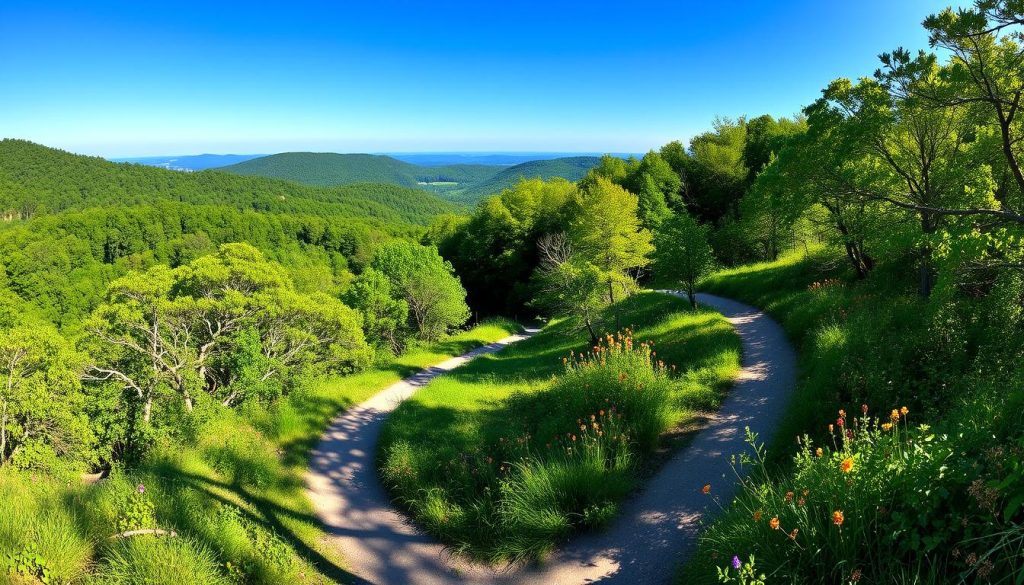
(191, 162)
(434, 159)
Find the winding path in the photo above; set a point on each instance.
(654, 532)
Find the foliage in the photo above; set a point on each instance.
(682, 255)
(428, 286)
(42, 423)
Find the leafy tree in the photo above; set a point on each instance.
(41, 400)
(682, 254)
(428, 285)
(568, 285)
(495, 251)
(189, 329)
(384, 315)
(606, 232)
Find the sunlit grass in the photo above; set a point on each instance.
(233, 492)
(448, 451)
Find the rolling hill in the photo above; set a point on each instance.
(571, 168)
(35, 178)
(324, 168)
(461, 183)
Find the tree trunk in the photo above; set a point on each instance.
(590, 328)
(147, 409)
(690, 292)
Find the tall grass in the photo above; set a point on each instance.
(509, 455)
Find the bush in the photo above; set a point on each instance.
(878, 496)
(159, 561)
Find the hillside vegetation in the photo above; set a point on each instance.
(35, 179)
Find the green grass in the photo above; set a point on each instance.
(232, 489)
(469, 455)
(922, 503)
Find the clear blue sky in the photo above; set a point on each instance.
(144, 78)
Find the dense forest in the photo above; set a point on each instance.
(188, 335)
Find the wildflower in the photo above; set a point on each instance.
(842, 413)
(573, 437)
(855, 575)
(757, 516)
(837, 517)
(807, 493)
(894, 416)
(801, 502)
(736, 564)
(141, 489)
(600, 412)
(774, 523)
(792, 535)
(886, 426)
(831, 428)
(789, 496)
(904, 411)
(864, 408)
(707, 488)
(840, 422)
(847, 465)
(819, 452)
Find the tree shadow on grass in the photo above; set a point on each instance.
(268, 514)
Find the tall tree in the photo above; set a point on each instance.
(606, 232)
(682, 254)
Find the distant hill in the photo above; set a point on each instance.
(433, 159)
(322, 168)
(35, 178)
(192, 162)
(571, 168)
(461, 183)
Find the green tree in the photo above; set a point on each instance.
(384, 315)
(682, 254)
(41, 400)
(428, 285)
(606, 232)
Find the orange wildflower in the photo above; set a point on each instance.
(838, 518)
(819, 452)
(904, 411)
(847, 465)
(707, 488)
(789, 496)
(774, 523)
(757, 516)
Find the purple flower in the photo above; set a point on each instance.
(141, 489)
(736, 564)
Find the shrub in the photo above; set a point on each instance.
(159, 561)
(877, 496)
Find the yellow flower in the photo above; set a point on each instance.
(894, 416)
(886, 426)
(819, 452)
(847, 465)
(904, 411)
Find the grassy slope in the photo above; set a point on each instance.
(234, 493)
(464, 412)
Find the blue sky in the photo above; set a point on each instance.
(142, 78)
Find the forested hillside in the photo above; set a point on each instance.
(35, 179)
(571, 168)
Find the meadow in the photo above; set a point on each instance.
(509, 455)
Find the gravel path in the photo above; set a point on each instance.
(655, 530)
